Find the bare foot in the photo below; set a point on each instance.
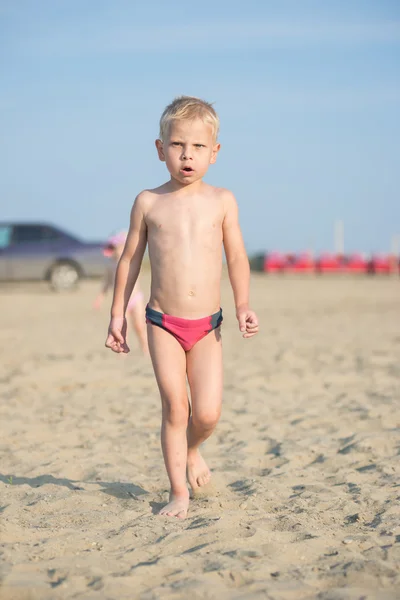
(177, 506)
(198, 473)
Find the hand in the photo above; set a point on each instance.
(248, 322)
(116, 339)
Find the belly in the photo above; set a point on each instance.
(186, 285)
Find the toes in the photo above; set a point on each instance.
(173, 511)
(194, 483)
(204, 479)
(180, 515)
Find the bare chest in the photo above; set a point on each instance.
(185, 224)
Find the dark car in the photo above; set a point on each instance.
(38, 251)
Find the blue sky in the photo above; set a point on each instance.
(308, 92)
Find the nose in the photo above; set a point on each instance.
(186, 153)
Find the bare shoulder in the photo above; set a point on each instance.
(227, 199)
(146, 198)
(142, 201)
(225, 196)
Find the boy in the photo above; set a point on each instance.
(185, 222)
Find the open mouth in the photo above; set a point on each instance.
(187, 170)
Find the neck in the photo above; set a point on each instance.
(177, 186)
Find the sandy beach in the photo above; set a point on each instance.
(306, 488)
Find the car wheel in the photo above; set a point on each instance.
(64, 276)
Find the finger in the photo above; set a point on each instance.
(242, 322)
(252, 325)
(252, 319)
(118, 336)
(112, 344)
(109, 341)
(249, 335)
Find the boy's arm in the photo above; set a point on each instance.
(238, 267)
(126, 276)
(131, 259)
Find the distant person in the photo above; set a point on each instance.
(135, 306)
(185, 222)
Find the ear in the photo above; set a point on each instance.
(214, 154)
(160, 150)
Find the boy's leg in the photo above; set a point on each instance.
(205, 376)
(169, 363)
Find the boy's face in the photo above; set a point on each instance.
(188, 150)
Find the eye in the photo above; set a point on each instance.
(176, 144)
(199, 146)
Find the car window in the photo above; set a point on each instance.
(5, 236)
(34, 233)
(49, 233)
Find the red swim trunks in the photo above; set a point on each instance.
(187, 331)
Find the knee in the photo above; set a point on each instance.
(176, 414)
(206, 420)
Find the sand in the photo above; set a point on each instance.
(305, 460)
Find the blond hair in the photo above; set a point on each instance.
(188, 108)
